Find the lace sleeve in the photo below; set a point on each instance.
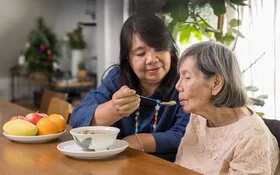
(255, 154)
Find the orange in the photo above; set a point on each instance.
(46, 126)
(59, 120)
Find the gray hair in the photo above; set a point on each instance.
(214, 58)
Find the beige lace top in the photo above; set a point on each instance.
(244, 147)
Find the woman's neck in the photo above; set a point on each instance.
(148, 89)
(227, 116)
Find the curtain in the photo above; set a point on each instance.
(259, 53)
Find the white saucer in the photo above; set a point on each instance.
(33, 139)
(70, 148)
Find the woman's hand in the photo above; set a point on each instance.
(125, 101)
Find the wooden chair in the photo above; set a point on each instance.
(46, 98)
(62, 107)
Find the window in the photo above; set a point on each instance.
(260, 50)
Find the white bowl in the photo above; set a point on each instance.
(101, 138)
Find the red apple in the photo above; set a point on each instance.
(17, 117)
(34, 117)
(42, 114)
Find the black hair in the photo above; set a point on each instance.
(155, 34)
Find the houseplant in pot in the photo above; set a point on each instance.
(82, 72)
(77, 45)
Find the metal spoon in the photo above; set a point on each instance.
(164, 103)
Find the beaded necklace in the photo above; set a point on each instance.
(157, 107)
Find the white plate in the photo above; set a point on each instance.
(33, 139)
(70, 148)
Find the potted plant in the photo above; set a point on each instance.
(82, 72)
(76, 39)
(185, 18)
(77, 45)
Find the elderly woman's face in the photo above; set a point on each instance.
(150, 65)
(194, 90)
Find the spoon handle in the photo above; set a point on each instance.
(157, 101)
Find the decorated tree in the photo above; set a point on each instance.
(42, 49)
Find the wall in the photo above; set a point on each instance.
(19, 17)
(70, 13)
(110, 20)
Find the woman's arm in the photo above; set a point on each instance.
(107, 104)
(83, 113)
(144, 142)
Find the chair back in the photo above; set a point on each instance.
(46, 98)
(62, 107)
(104, 74)
(274, 127)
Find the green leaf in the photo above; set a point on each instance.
(205, 27)
(238, 33)
(263, 96)
(219, 36)
(171, 26)
(209, 34)
(185, 33)
(196, 32)
(202, 24)
(261, 114)
(234, 22)
(176, 30)
(252, 88)
(218, 7)
(149, 5)
(166, 7)
(228, 38)
(179, 13)
(202, 3)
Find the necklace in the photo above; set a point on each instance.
(137, 114)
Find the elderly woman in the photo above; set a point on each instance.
(223, 136)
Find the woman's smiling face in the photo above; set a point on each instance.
(150, 65)
(195, 91)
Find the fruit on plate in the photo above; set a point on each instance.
(42, 114)
(35, 117)
(59, 120)
(46, 126)
(20, 127)
(17, 117)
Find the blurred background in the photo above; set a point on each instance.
(78, 35)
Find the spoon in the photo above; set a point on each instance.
(164, 103)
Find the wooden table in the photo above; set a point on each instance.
(65, 86)
(20, 159)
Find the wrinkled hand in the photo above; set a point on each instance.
(125, 101)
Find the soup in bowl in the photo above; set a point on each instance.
(95, 138)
